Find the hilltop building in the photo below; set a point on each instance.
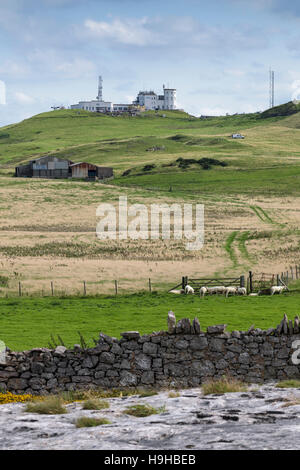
(152, 101)
(146, 100)
(97, 105)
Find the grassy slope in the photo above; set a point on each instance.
(41, 317)
(267, 159)
(66, 131)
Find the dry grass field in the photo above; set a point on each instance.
(48, 233)
(48, 227)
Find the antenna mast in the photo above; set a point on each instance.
(271, 91)
(99, 97)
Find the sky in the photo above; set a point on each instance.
(216, 53)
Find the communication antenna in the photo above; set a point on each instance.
(99, 97)
(271, 91)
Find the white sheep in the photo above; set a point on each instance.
(216, 290)
(230, 290)
(203, 291)
(241, 291)
(188, 290)
(277, 289)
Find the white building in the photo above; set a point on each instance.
(147, 99)
(151, 100)
(97, 105)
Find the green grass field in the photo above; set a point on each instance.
(29, 322)
(266, 161)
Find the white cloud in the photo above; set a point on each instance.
(171, 34)
(14, 69)
(130, 31)
(77, 68)
(235, 72)
(2, 93)
(22, 98)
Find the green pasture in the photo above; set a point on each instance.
(29, 322)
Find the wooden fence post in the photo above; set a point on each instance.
(277, 280)
(20, 290)
(116, 287)
(251, 281)
(242, 281)
(52, 288)
(84, 288)
(150, 286)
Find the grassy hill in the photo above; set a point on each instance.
(107, 139)
(143, 150)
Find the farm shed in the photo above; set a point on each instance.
(90, 171)
(45, 167)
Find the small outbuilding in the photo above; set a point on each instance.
(89, 171)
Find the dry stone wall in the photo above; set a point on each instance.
(180, 357)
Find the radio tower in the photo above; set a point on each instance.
(99, 97)
(271, 75)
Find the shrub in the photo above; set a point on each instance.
(3, 281)
(292, 383)
(95, 404)
(223, 385)
(85, 422)
(148, 167)
(147, 393)
(52, 405)
(205, 163)
(141, 411)
(173, 394)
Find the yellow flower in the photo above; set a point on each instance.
(9, 397)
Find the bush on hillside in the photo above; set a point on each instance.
(205, 163)
(286, 109)
(149, 167)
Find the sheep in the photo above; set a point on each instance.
(230, 290)
(277, 289)
(203, 291)
(176, 291)
(241, 291)
(216, 290)
(188, 290)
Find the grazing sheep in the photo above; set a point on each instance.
(203, 291)
(277, 289)
(241, 291)
(216, 290)
(230, 290)
(189, 290)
